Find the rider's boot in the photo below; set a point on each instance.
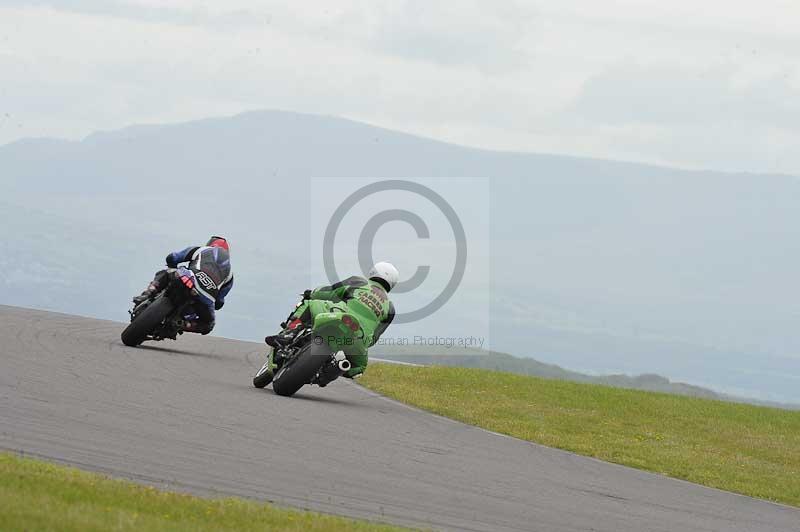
(285, 336)
(275, 341)
(148, 292)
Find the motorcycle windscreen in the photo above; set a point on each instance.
(212, 269)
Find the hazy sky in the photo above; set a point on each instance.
(693, 83)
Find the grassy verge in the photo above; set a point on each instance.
(742, 448)
(39, 496)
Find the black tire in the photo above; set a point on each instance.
(263, 377)
(144, 324)
(301, 369)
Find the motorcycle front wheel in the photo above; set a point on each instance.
(146, 322)
(264, 376)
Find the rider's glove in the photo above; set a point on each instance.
(171, 262)
(307, 295)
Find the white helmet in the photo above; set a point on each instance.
(386, 272)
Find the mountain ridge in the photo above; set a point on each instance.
(124, 133)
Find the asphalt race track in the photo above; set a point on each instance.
(184, 416)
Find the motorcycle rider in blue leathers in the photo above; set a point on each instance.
(212, 261)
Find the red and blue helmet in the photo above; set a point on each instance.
(218, 242)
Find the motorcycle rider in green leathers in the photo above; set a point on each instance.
(366, 299)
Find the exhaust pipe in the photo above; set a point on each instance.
(341, 361)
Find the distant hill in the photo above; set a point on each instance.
(601, 266)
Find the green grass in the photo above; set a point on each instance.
(742, 448)
(40, 496)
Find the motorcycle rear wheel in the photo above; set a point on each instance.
(301, 369)
(146, 322)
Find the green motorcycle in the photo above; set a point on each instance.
(316, 354)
